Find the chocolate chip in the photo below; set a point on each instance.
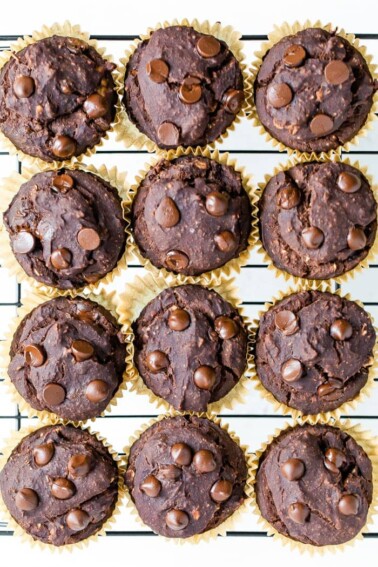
(26, 499)
(348, 182)
(176, 260)
(23, 242)
(85, 313)
(349, 505)
(178, 320)
(63, 147)
(95, 106)
(62, 488)
(34, 355)
(176, 520)
(336, 72)
(341, 330)
(43, 454)
(88, 239)
(77, 520)
(334, 459)
(157, 361)
(167, 213)
(312, 237)
(181, 453)
(82, 350)
(61, 259)
(288, 198)
(221, 490)
(151, 486)
(279, 95)
(170, 472)
(292, 370)
(233, 100)
(356, 239)
(321, 125)
(54, 394)
(208, 46)
(330, 391)
(79, 465)
(294, 55)
(225, 241)
(97, 391)
(298, 512)
(226, 327)
(23, 86)
(293, 469)
(217, 203)
(157, 70)
(63, 183)
(190, 91)
(168, 134)
(204, 377)
(287, 322)
(204, 461)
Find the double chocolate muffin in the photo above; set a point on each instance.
(67, 357)
(314, 485)
(60, 484)
(314, 350)
(190, 346)
(313, 91)
(186, 476)
(191, 215)
(182, 87)
(57, 98)
(318, 220)
(66, 228)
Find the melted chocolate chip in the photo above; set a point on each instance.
(176, 260)
(233, 100)
(178, 320)
(95, 106)
(217, 203)
(176, 520)
(26, 499)
(298, 512)
(190, 91)
(151, 486)
(321, 125)
(348, 182)
(54, 394)
(341, 330)
(221, 490)
(23, 242)
(82, 350)
(88, 239)
(204, 461)
(336, 72)
(288, 198)
(63, 182)
(312, 237)
(77, 520)
(157, 361)
(34, 355)
(62, 488)
(97, 391)
(167, 213)
(168, 134)
(79, 465)
(43, 454)
(181, 454)
(293, 469)
(61, 258)
(349, 505)
(287, 322)
(292, 370)
(204, 377)
(225, 241)
(63, 147)
(23, 86)
(208, 46)
(226, 327)
(157, 70)
(294, 55)
(356, 239)
(334, 459)
(279, 95)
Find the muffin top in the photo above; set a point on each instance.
(314, 350)
(182, 87)
(186, 476)
(60, 484)
(318, 220)
(314, 485)
(313, 91)
(190, 346)
(191, 215)
(68, 357)
(66, 228)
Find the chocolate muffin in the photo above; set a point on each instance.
(67, 357)
(190, 347)
(313, 91)
(318, 220)
(57, 98)
(66, 228)
(314, 350)
(314, 485)
(60, 484)
(182, 87)
(191, 215)
(186, 476)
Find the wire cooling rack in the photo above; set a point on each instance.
(255, 420)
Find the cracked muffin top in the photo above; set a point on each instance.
(182, 87)
(57, 98)
(314, 485)
(313, 91)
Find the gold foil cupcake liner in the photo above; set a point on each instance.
(128, 133)
(11, 443)
(278, 33)
(30, 302)
(368, 443)
(9, 186)
(69, 30)
(136, 296)
(286, 410)
(229, 523)
(371, 255)
(212, 277)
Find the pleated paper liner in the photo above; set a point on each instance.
(11, 444)
(281, 407)
(278, 33)
(128, 132)
(141, 291)
(30, 302)
(10, 186)
(371, 255)
(68, 30)
(211, 277)
(369, 444)
(229, 523)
